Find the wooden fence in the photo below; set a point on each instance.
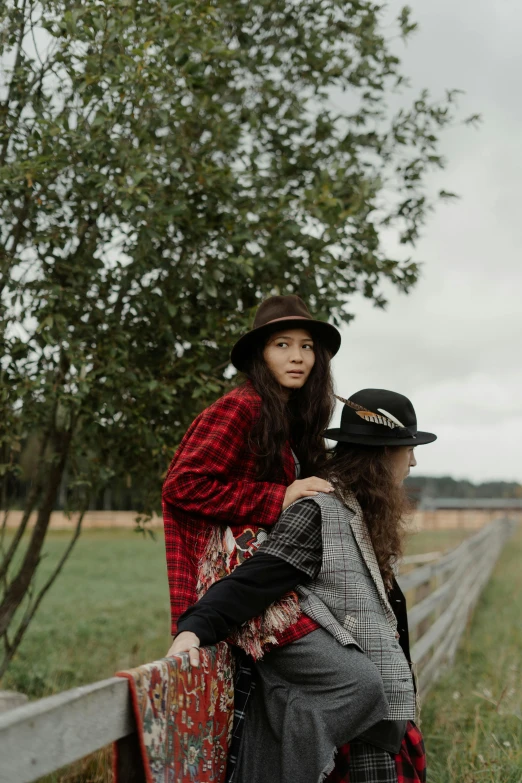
(43, 736)
(442, 595)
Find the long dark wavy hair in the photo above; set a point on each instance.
(366, 471)
(301, 419)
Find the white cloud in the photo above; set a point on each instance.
(454, 344)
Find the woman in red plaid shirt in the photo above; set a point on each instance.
(242, 462)
(239, 463)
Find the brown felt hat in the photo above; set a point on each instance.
(276, 313)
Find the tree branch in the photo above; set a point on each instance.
(12, 646)
(30, 504)
(16, 590)
(37, 82)
(4, 106)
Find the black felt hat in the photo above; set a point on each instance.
(378, 417)
(276, 313)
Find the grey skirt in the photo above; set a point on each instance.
(311, 697)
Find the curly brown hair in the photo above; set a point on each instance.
(366, 471)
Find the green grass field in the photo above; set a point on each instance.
(472, 719)
(435, 540)
(109, 610)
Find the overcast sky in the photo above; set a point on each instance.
(454, 344)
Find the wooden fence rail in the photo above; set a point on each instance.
(43, 736)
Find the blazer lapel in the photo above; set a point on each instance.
(362, 537)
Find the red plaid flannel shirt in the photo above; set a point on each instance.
(410, 762)
(212, 481)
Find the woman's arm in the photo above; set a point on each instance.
(295, 556)
(245, 593)
(203, 479)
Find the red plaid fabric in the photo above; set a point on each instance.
(212, 481)
(410, 763)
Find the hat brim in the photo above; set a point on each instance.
(420, 439)
(243, 350)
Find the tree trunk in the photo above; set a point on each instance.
(18, 587)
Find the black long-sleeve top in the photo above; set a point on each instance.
(291, 556)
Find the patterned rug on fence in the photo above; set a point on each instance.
(184, 717)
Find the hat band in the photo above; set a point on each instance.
(285, 318)
(380, 430)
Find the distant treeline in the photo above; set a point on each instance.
(447, 487)
(119, 495)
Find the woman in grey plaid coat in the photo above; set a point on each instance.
(349, 681)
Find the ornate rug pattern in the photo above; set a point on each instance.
(184, 716)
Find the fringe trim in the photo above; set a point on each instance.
(259, 631)
(329, 767)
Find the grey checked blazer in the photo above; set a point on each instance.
(348, 599)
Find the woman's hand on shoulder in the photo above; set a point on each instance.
(305, 488)
(186, 641)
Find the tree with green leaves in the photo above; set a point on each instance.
(164, 164)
